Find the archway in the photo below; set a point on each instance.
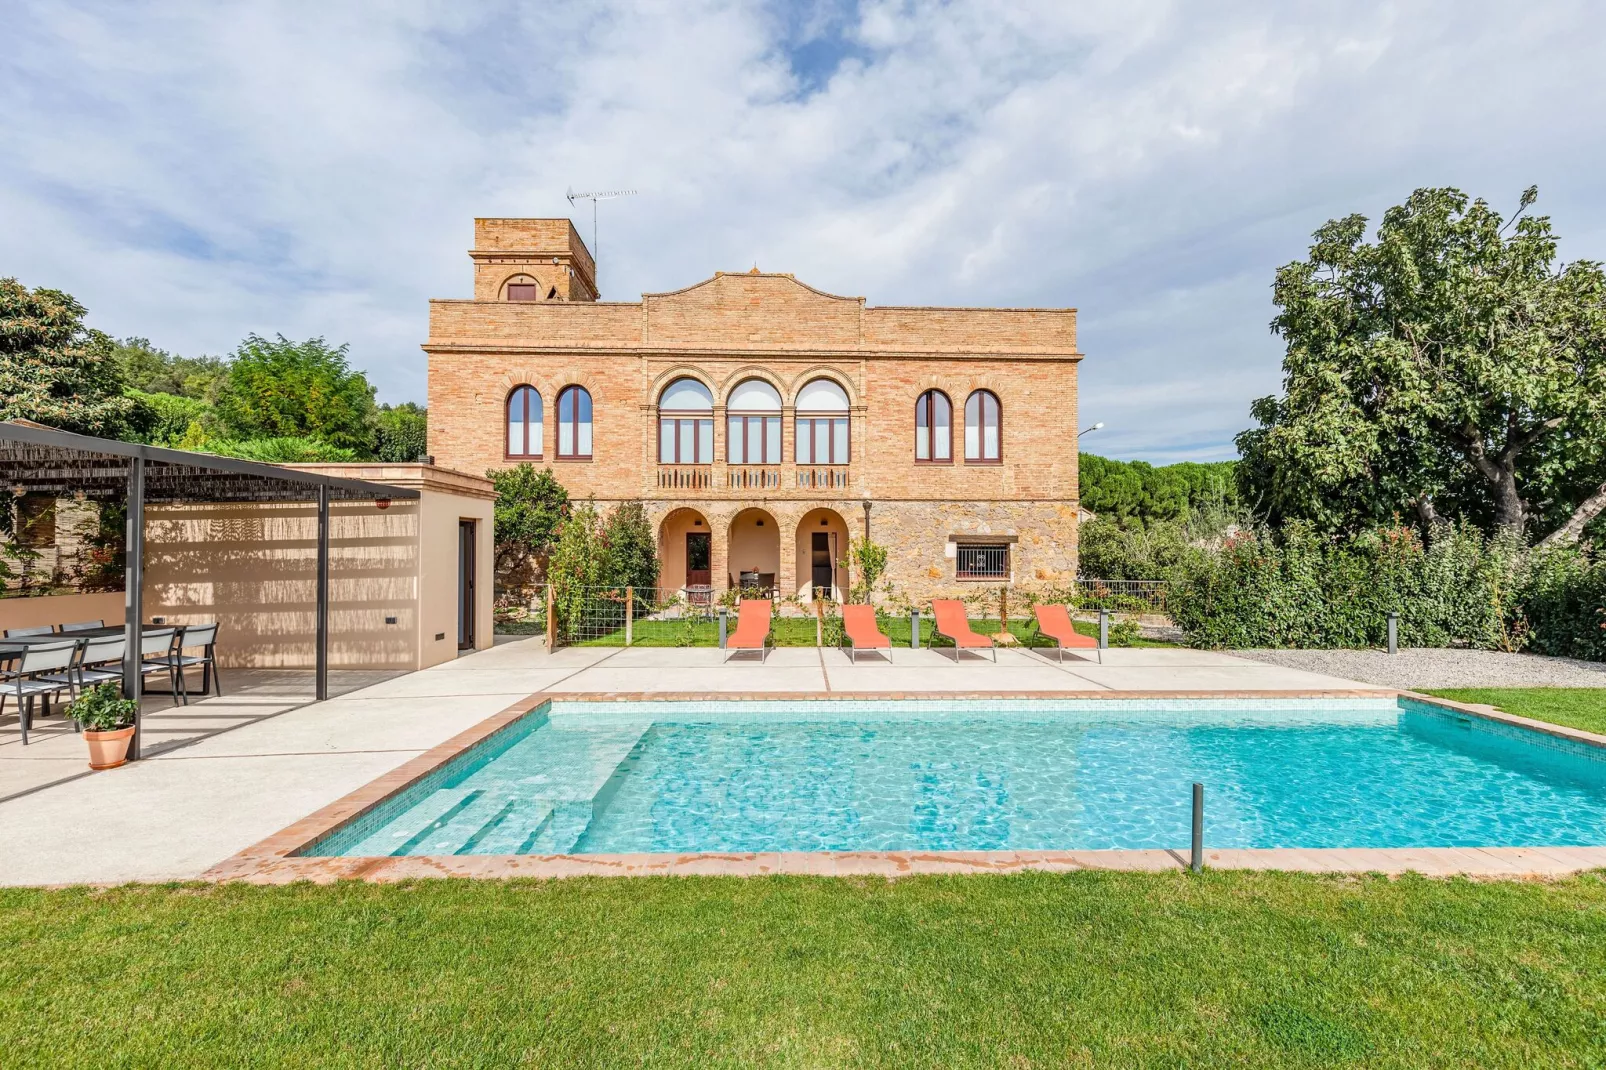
(755, 550)
(685, 547)
(822, 545)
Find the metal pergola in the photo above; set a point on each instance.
(36, 460)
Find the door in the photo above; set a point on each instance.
(823, 578)
(698, 573)
(465, 584)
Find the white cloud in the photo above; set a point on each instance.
(196, 171)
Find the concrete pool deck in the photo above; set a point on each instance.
(196, 804)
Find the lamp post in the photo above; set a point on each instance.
(867, 518)
(1090, 430)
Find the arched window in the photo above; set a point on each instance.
(686, 423)
(523, 288)
(524, 422)
(753, 424)
(574, 424)
(934, 428)
(822, 423)
(983, 430)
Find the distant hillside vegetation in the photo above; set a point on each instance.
(1137, 494)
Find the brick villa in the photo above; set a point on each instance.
(764, 423)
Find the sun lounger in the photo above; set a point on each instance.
(1055, 622)
(951, 623)
(752, 628)
(859, 625)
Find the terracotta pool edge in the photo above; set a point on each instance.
(274, 859)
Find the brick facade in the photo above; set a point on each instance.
(736, 327)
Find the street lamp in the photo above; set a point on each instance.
(1090, 430)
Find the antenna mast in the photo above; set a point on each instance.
(595, 196)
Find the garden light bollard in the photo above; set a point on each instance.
(1197, 862)
(551, 622)
(630, 612)
(1394, 632)
(914, 629)
(722, 627)
(1104, 629)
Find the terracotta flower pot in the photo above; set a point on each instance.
(108, 750)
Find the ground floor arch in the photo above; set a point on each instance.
(754, 557)
(821, 547)
(685, 548)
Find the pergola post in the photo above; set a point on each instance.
(323, 592)
(133, 592)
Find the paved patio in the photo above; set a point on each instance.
(226, 773)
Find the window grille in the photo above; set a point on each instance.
(982, 561)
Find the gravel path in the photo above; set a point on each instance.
(1420, 668)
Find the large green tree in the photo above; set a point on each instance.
(57, 371)
(402, 432)
(1449, 368)
(285, 389)
(1136, 493)
(530, 503)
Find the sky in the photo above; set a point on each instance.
(193, 172)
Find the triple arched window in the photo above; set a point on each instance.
(574, 424)
(822, 423)
(686, 423)
(753, 424)
(524, 422)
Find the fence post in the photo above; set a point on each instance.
(722, 627)
(1198, 828)
(551, 622)
(914, 629)
(819, 623)
(1003, 612)
(1394, 632)
(1104, 629)
(630, 612)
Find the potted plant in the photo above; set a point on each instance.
(108, 723)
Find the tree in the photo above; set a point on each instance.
(1450, 368)
(1137, 494)
(285, 389)
(529, 506)
(55, 370)
(403, 432)
(869, 561)
(630, 548)
(156, 371)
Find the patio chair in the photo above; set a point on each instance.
(17, 633)
(101, 661)
(33, 674)
(860, 628)
(83, 626)
(158, 650)
(752, 628)
(952, 624)
(1055, 622)
(201, 637)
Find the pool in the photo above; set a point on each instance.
(982, 775)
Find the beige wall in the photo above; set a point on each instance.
(755, 546)
(61, 609)
(252, 568)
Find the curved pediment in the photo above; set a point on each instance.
(751, 309)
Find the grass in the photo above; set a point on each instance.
(1084, 969)
(1575, 707)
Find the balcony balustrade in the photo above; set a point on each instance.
(753, 477)
(684, 477)
(823, 477)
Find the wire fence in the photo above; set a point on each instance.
(630, 616)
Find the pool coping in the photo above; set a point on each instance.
(274, 859)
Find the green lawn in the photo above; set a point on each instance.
(1086, 969)
(1576, 707)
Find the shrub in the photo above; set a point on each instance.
(1563, 604)
(103, 708)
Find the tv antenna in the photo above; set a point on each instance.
(594, 196)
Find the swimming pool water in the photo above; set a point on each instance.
(604, 778)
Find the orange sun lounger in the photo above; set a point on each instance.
(951, 622)
(1055, 622)
(858, 624)
(752, 628)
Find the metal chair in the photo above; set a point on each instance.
(42, 669)
(158, 653)
(101, 661)
(204, 637)
(17, 633)
(82, 626)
